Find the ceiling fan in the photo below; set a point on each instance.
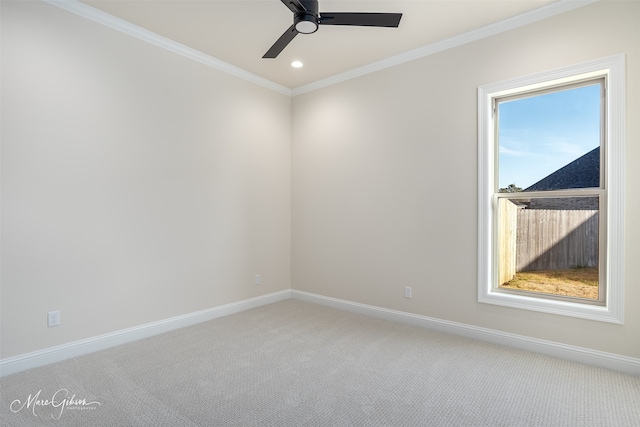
(306, 19)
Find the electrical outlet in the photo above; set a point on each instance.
(53, 318)
(257, 280)
(407, 292)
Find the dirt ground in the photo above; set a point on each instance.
(576, 282)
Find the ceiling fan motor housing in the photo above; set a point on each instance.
(307, 22)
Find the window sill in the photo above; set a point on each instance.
(559, 307)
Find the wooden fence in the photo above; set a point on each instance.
(540, 239)
(507, 232)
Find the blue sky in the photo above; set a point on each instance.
(539, 135)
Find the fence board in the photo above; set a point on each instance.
(507, 229)
(556, 239)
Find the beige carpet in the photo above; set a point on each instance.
(298, 364)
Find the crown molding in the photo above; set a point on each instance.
(93, 14)
(544, 12)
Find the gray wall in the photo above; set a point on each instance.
(385, 196)
(137, 185)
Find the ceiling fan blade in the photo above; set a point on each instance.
(294, 5)
(361, 19)
(281, 43)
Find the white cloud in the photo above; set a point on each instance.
(562, 146)
(509, 152)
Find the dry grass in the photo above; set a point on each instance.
(576, 282)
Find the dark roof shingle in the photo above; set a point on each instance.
(584, 172)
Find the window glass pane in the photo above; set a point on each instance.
(549, 245)
(550, 141)
(520, 132)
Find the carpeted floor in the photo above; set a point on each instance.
(298, 364)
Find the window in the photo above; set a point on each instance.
(551, 191)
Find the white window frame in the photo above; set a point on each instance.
(612, 68)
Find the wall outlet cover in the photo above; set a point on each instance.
(53, 318)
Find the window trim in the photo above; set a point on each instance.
(613, 69)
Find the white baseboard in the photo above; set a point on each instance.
(47, 356)
(58, 353)
(628, 365)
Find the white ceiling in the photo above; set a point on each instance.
(239, 32)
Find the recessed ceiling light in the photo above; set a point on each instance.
(297, 64)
